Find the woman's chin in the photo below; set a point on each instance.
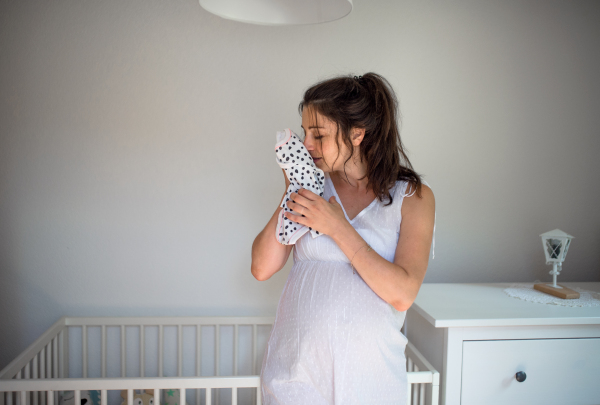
(320, 166)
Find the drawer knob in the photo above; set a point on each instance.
(521, 376)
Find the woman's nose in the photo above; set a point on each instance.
(308, 143)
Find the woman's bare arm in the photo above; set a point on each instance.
(268, 255)
(397, 282)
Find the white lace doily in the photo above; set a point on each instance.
(526, 292)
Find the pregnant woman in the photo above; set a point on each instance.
(336, 338)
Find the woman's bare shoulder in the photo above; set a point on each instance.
(412, 202)
(407, 187)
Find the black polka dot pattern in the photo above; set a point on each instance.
(294, 159)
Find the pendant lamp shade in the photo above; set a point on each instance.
(279, 12)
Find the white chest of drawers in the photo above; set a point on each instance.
(483, 342)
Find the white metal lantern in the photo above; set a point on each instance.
(556, 244)
(279, 12)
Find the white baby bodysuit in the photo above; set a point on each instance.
(301, 171)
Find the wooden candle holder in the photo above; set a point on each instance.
(564, 292)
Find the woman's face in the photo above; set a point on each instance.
(321, 145)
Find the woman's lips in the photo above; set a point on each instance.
(316, 159)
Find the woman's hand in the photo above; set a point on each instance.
(316, 213)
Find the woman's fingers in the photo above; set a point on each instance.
(299, 218)
(294, 206)
(300, 203)
(305, 198)
(300, 200)
(308, 194)
(296, 218)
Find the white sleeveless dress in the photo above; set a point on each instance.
(334, 340)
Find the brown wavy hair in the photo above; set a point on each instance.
(367, 102)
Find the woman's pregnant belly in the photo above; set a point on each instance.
(326, 301)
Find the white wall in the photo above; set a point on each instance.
(136, 160)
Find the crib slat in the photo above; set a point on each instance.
(129, 396)
(26, 376)
(421, 394)
(160, 350)
(157, 396)
(84, 345)
(48, 360)
(123, 355)
(78, 397)
(254, 349)
(103, 396)
(20, 398)
(23, 397)
(258, 396)
(103, 352)
(61, 370)
(66, 352)
(43, 374)
(47, 354)
(415, 387)
(217, 358)
(235, 350)
(142, 351)
(42, 355)
(182, 399)
(217, 349)
(198, 351)
(179, 351)
(198, 359)
(50, 395)
(207, 396)
(55, 356)
(34, 376)
(253, 372)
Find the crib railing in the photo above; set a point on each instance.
(42, 370)
(49, 355)
(421, 376)
(49, 388)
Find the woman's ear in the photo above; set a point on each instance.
(357, 136)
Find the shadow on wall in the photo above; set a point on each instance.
(28, 310)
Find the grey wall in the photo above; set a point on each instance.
(136, 160)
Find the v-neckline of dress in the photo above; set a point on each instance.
(340, 202)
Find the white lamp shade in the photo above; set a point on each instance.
(279, 12)
(556, 244)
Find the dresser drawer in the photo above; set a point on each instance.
(557, 371)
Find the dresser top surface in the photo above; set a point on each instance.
(486, 304)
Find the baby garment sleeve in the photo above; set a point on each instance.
(294, 159)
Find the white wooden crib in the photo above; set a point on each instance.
(211, 360)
